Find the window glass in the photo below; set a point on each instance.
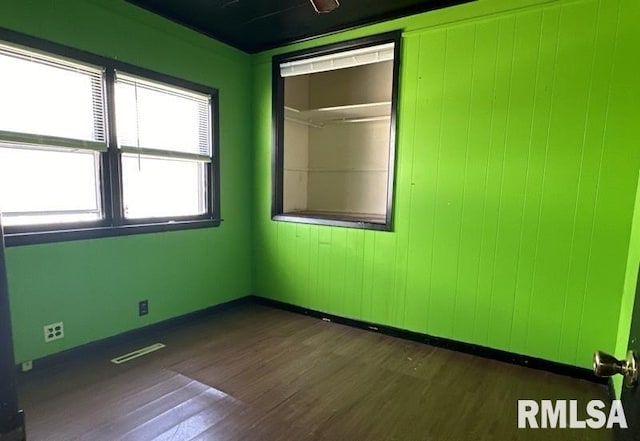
(62, 177)
(161, 118)
(40, 186)
(43, 97)
(162, 187)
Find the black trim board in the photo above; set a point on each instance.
(18, 239)
(134, 335)
(130, 337)
(467, 348)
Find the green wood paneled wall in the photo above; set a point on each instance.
(516, 174)
(517, 165)
(94, 286)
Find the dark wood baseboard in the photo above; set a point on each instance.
(136, 334)
(481, 351)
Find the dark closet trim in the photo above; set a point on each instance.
(277, 128)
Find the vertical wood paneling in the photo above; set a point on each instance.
(382, 294)
(314, 274)
(368, 257)
(584, 202)
(493, 178)
(404, 167)
(324, 268)
(338, 298)
(461, 296)
(526, 35)
(450, 186)
(619, 152)
(426, 167)
(354, 271)
(515, 184)
(562, 171)
(478, 126)
(416, 297)
(534, 180)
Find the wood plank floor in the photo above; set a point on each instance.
(256, 373)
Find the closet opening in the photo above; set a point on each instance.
(334, 133)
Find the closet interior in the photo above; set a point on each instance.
(337, 143)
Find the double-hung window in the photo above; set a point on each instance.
(165, 138)
(91, 147)
(52, 132)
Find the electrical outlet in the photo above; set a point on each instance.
(143, 308)
(54, 331)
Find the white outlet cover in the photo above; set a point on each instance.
(54, 331)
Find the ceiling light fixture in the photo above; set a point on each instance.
(324, 6)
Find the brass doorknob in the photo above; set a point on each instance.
(606, 365)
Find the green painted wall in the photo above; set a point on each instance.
(517, 169)
(516, 178)
(94, 286)
(629, 293)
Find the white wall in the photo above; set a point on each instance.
(356, 85)
(348, 167)
(341, 167)
(296, 152)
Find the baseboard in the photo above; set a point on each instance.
(138, 333)
(468, 348)
(481, 351)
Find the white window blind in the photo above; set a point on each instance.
(340, 60)
(50, 101)
(156, 119)
(52, 128)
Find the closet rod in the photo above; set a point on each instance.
(303, 122)
(364, 119)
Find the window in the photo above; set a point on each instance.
(52, 131)
(164, 135)
(334, 121)
(90, 147)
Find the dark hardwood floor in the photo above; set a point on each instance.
(256, 373)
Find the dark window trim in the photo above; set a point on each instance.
(79, 233)
(114, 223)
(277, 112)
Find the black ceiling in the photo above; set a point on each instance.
(257, 25)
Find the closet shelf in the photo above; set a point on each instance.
(353, 113)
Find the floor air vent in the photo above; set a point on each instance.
(137, 353)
